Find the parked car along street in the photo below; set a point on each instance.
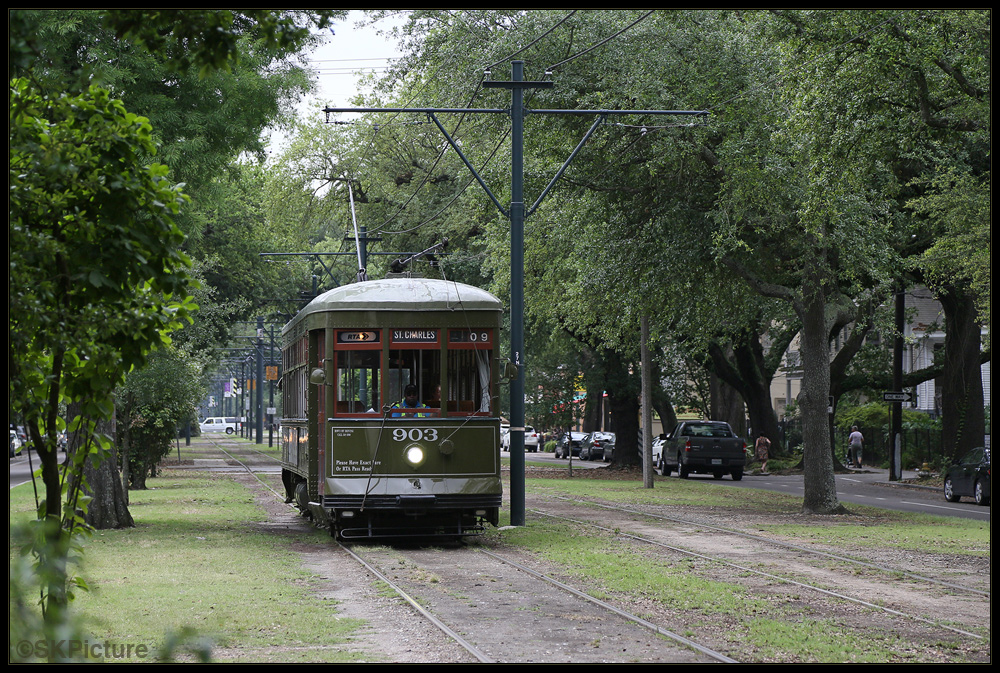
(707, 447)
(593, 445)
(219, 424)
(15, 444)
(532, 439)
(969, 476)
(569, 442)
(658, 444)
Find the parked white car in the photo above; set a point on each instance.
(532, 439)
(219, 424)
(15, 444)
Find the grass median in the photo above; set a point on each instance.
(198, 562)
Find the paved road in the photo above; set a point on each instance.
(869, 487)
(19, 470)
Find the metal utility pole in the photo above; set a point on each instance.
(260, 380)
(895, 450)
(517, 214)
(647, 405)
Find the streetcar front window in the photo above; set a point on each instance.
(420, 367)
(358, 381)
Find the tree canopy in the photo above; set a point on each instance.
(839, 147)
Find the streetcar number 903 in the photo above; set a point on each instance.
(415, 435)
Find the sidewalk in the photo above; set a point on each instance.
(880, 476)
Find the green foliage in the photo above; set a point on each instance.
(794, 199)
(207, 122)
(96, 273)
(152, 404)
(876, 415)
(210, 39)
(41, 559)
(96, 280)
(958, 204)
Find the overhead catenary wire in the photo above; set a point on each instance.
(599, 44)
(382, 227)
(646, 128)
(533, 42)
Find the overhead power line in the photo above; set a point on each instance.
(601, 43)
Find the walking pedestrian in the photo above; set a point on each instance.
(762, 450)
(857, 442)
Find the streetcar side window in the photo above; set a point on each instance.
(470, 354)
(359, 381)
(293, 389)
(469, 381)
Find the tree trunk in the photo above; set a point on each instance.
(625, 416)
(664, 408)
(107, 508)
(592, 410)
(963, 422)
(820, 486)
(746, 371)
(727, 405)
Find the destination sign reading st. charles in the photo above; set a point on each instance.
(414, 336)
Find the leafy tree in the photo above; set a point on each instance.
(151, 405)
(96, 281)
(212, 83)
(825, 126)
(97, 276)
(907, 104)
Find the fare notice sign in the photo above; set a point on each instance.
(896, 396)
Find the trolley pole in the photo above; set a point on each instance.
(260, 380)
(895, 447)
(517, 489)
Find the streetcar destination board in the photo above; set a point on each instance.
(414, 336)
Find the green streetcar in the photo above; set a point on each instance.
(391, 426)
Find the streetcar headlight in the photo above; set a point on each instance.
(414, 455)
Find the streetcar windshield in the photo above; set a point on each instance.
(469, 381)
(358, 379)
(419, 371)
(423, 372)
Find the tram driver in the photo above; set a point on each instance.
(409, 403)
